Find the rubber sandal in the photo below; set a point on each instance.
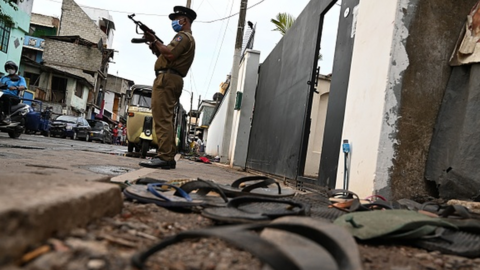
(153, 193)
(453, 242)
(311, 255)
(319, 206)
(391, 224)
(340, 245)
(254, 209)
(261, 186)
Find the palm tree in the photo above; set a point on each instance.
(283, 22)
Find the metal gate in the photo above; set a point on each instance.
(283, 97)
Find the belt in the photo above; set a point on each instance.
(169, 70)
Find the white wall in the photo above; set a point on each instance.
(365, 125)
(318, 116)
(247, 84)
(214, 138)
(109, 98)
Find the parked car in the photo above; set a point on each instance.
(74, 127)
(100, 131)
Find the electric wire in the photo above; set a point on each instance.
(160, 15)
(218, 55)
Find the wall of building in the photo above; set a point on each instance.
(109, 101)
(80, 103)
(213, 142)
(72, 55)
(318, 117)
(433, 32)
(365, 105)
(398, 79)
(247, 84)
(21, 17)
(98, 14)
(75, 22)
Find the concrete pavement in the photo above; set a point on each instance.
(46, 191)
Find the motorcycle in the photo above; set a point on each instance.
(17, 117)
(38, 121)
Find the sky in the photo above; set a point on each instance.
(214, 34)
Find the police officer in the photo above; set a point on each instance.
(173, 62)
(14, 83)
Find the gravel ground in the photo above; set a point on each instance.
(109, 243)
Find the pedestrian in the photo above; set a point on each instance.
(119, 135)
(173, 62)
(114, 135)
(200, 146)
(124, 135)
(15, 84)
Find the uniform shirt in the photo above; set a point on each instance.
(6, 80)
(183, 48)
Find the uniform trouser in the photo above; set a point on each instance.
(167, 89)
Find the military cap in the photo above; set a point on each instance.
(184, 11)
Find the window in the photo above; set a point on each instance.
(5, 29)
(33, 79)
(79, 90)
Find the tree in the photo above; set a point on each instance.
(283, 22)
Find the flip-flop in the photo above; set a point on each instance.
(319, 206)
(255, 209)
(391, 224)
(339, 245)
(454, 242)
(301, 248)
(261, 186)
(154, 193)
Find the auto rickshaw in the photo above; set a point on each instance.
(140, 132)
(141, 135)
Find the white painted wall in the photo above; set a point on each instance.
(214, 138)
(369, 98)
(109, 98)
(247, 84)
(318, 116)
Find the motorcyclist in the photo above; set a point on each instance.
(15, 84)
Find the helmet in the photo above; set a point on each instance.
(11, 65)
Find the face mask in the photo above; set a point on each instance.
(176, 26)
(11, 71)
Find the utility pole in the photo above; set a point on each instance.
(227, 133)
(190, 116)
(189, 3)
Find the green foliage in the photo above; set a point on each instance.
(283, 22)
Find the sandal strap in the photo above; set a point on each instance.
(302, 208)
(203, 187)
(264, 250)
(183, 194)
(263, 184)
(238, 182)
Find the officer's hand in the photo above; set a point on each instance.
(13, 88)
(149, 37)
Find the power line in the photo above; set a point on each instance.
(159, 15)
(231, 15)
(218, 55)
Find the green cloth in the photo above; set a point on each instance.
(390, 224)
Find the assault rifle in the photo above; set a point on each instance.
(144, 28)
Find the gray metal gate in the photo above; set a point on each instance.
(283, 97)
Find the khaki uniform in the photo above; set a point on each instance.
(167, 89)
